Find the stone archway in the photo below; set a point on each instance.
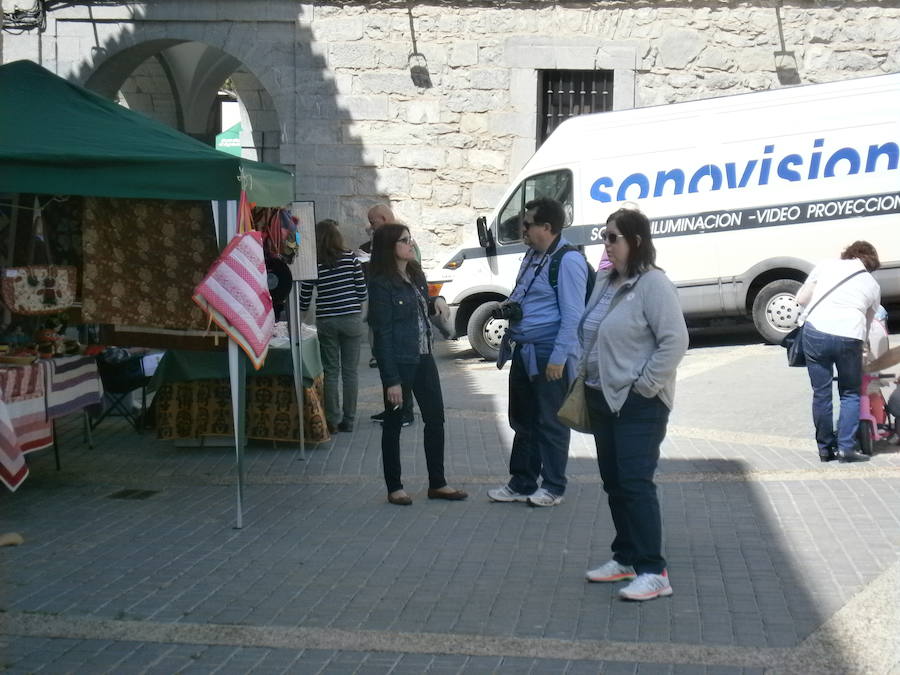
(177, 83)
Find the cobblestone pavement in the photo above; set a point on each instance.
(779, 563)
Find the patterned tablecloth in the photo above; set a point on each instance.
(31, 397)
(193, 397)
(197, 408)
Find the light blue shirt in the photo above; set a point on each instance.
(549, 317)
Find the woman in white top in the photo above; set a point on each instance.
(833, 338)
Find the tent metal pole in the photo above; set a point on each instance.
(223, 217)
(237, 377)
(11, 246)
(236, 372)
(294, 328)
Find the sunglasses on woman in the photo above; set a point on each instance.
(609, 237)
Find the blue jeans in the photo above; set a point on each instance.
(541, 444)
(423, 382)
(824, 353)
(627, 455)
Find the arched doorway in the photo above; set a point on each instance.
(187, 85)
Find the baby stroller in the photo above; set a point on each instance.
(876, 416)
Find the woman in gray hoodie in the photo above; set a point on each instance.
(634, 336)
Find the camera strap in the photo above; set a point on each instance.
(539, 267)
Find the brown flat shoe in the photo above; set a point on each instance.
(454, 496)
(401, 499)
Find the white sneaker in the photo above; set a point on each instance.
(504, 494)
(611, 571)
(543, 498)
(647, 587)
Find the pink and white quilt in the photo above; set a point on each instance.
(236, 296)
(24, 425)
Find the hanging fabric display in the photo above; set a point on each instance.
(234, 292)
(132, 245)
(279, 231)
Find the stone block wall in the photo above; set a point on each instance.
(150, 91)
(342, 96)
(445, 154)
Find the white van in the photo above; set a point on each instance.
(745, 194)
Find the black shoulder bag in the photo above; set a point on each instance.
(793, 341)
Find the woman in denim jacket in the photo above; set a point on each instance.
(399, 310)
(634, 337)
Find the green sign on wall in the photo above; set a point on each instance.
(230, 140)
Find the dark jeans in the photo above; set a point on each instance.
(627, 454)
(421, 381)
(541, 445)
(824, 353)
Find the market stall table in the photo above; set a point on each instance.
(31, 397)
(193, 397)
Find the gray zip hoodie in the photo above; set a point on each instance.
(641, 340)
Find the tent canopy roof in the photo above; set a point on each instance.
(59, 138)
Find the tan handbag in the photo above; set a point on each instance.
(574, 411)
(39, 289)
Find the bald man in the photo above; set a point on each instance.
(379, 215)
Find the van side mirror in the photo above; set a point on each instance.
(485, 236)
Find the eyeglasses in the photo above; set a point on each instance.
(610, 237)
(528, 223)
(406, 240)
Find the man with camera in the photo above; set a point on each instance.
(542, 341)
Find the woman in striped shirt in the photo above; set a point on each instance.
(341, 291)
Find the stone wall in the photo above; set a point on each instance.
(149, 90)
(445, 154)
(337, 84)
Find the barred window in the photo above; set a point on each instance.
(567, 93)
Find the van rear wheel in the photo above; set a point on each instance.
(486, 332)
(775, 309)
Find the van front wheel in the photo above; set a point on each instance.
(486, 332)
(775, 309)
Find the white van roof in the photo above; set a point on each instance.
(558, 149)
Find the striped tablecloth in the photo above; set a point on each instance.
(31, 397)
(73, 383)
(24, 425)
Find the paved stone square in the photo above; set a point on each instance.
(779, 563)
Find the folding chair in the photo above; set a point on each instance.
(119, 380)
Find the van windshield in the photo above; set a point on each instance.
(553, 184)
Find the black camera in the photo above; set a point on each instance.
(511, 311)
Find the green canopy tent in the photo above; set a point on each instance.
(59, 138)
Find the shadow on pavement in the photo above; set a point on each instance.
(758, 562)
